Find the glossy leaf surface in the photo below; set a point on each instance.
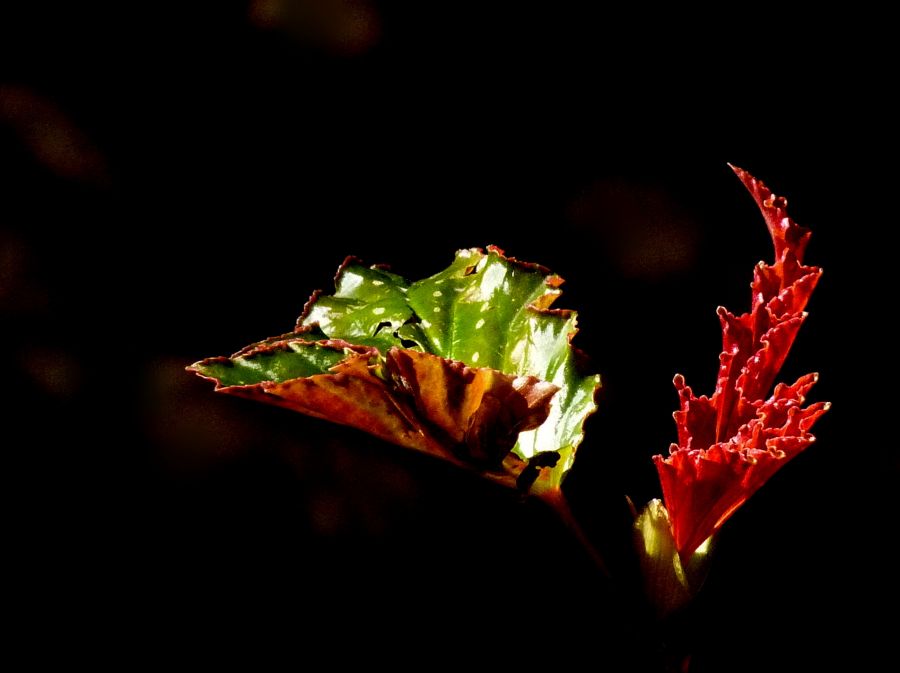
(470, 364)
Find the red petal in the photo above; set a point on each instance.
(762, 367)
(696, 421)
(707, 487)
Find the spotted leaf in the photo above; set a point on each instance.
(471, 365)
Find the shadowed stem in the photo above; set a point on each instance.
(559, 504)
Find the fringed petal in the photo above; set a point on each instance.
(730, 444)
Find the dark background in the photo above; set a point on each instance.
(176, 180)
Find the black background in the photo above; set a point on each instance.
(177, 179)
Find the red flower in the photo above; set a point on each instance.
(731, 443)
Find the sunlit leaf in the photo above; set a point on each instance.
(472, 365)
(492, 311)
(369, 305)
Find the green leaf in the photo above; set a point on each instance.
(488, 310)
(282, 362)
(367, 308)
(397, 343)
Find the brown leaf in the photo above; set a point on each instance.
(470, 416)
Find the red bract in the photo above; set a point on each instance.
(731, 443)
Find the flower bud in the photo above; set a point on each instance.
(669, 581)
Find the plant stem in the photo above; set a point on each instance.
(557, 501)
